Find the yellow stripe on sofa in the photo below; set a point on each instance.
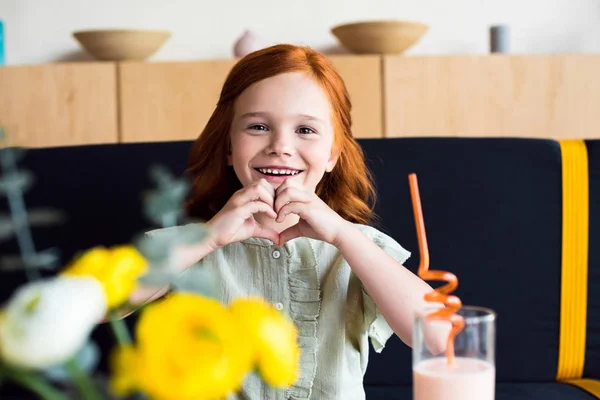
(574, 268)
(591, 386)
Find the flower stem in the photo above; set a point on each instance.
(83, 382)
(34, 383)
(120, 329)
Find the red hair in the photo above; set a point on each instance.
(348, 189)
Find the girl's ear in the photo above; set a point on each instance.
(333, 159)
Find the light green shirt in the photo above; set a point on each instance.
(310, 281)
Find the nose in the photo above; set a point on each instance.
(281, 144)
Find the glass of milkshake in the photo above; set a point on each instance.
(471, 373)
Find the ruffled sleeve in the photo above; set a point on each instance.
(377, 327)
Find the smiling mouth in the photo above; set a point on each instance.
(278, 172)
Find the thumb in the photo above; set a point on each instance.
(290, 233)
(266, 233)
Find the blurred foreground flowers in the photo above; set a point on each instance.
(275, 340)
(117, 270)
(214, 350)
(185, 342)
(47, 321)
(186, 345)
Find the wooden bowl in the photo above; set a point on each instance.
(121, 44)
(379, 37)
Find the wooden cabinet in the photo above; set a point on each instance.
(173, 100)
(363, 78)
(544, 96)
(168, 101)
(547, 96)
(59, 104)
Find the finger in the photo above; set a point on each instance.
(266, 194)
(288, 183)
(290, 233)
(254, 193)
(289, 195)
(294, 207)
(253, 207)
(266, 233)
(260, 192)
(263, 182)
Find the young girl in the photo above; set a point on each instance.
(285, 191)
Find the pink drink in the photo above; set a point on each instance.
(464, 379)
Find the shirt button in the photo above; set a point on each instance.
(279, 306)
(276, 254)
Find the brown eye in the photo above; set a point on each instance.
(258, 127)
(305, 130)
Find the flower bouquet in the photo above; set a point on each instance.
(185, 344)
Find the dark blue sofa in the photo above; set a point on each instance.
(494, 215)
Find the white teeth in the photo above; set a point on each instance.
(278, 171)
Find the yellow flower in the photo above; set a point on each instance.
(276, 339)
(117, 269)
(125, 369)
(188, 347)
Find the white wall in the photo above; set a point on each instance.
(39, 31)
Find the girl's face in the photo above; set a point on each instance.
(283, 129)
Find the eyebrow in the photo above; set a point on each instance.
(265, 114)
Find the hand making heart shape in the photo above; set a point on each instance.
(317, 219)
(235, 221)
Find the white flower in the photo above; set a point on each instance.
(47, 321)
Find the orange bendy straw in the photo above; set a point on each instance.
(440, 295)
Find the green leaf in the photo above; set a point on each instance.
(164, 206)
(120, 329)
(33, 382)
(156, 251)
(42, 260)
(38, 217)
(45, 217)
(10, 156)
(157, 278)
(7, 228)
(16, 181)
(202, 281)
(156, 248)
(82, 381)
